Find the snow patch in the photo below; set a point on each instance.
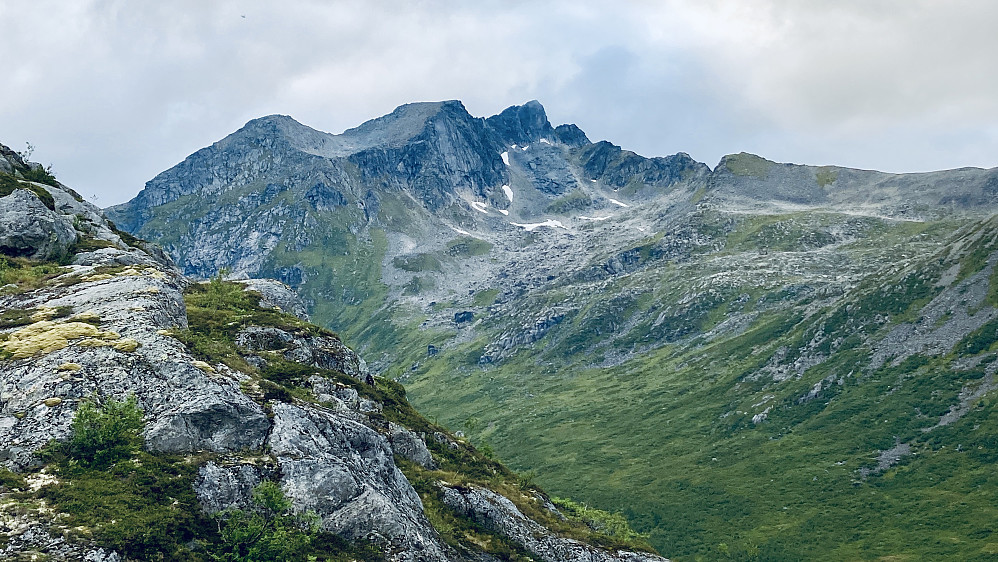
(615, 202)
(593, 218)
(551, 223)
(459, 231)
(505, 158)
(480, 207)
(513, 147)
(545, 141)
(594, 181)
(509, 192)
(526, 147)
(503, 211)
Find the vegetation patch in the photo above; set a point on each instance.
(15, 318)
(9, 183)
(982, 339)
(826, 175)
(468, 246)
(267, 531)
(573, 201)
(20, 275)
(612, 525)
(86, 243)
(418, 284)
(485, 297)
(745, 164)
(417, 262)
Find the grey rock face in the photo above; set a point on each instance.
(29, 229)
(344, 471)
(408, 445)
(187, 408)
(219, 488)
(614, 166)
(277, 295)
(325, 352)
(522, 124)
(547, 167)
(571, 135)
(496, 512)
(33, 538)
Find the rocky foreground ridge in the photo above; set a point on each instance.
(234, 392)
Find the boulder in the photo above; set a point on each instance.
(29, 229)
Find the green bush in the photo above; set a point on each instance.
(9, 183)
(612, 525)
(11, 480)
(145, 509)
(41, 175)
(104, 434)
(269, 531)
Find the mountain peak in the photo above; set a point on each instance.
(522, 124)
(405, 122)
(275, 123)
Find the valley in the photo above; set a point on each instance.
(756, 361)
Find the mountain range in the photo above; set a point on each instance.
(751, 361)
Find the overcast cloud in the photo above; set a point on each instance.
(111, 92)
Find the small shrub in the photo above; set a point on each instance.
(41, 175)
(269, 531)
(612, 525)
(10, 480)
(107, 433)
(9, 183)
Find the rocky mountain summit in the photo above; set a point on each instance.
(738, 357)
(238, 397)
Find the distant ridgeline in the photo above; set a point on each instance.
(755, 361)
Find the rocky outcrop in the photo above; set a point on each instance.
(277, 295)
(410, 446)
(498, 513)
(29, 229)
(323, 351)
(343, 470)
(189, 409)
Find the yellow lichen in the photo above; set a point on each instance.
(151, 290)
(69, 367)
(46, 336)
(112, 340)
(155, 273)
(86, 316)
(203, 366)
(164, 332)
(127, 345)
(52, 402)
(97, 277)
(44, 313)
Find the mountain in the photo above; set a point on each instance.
(147, 416)
(755, 361)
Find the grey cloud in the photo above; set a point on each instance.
(113, 91)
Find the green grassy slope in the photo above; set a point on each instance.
(667, 436)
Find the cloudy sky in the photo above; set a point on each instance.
(111, 92)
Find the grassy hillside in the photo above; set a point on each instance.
(761, 440)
